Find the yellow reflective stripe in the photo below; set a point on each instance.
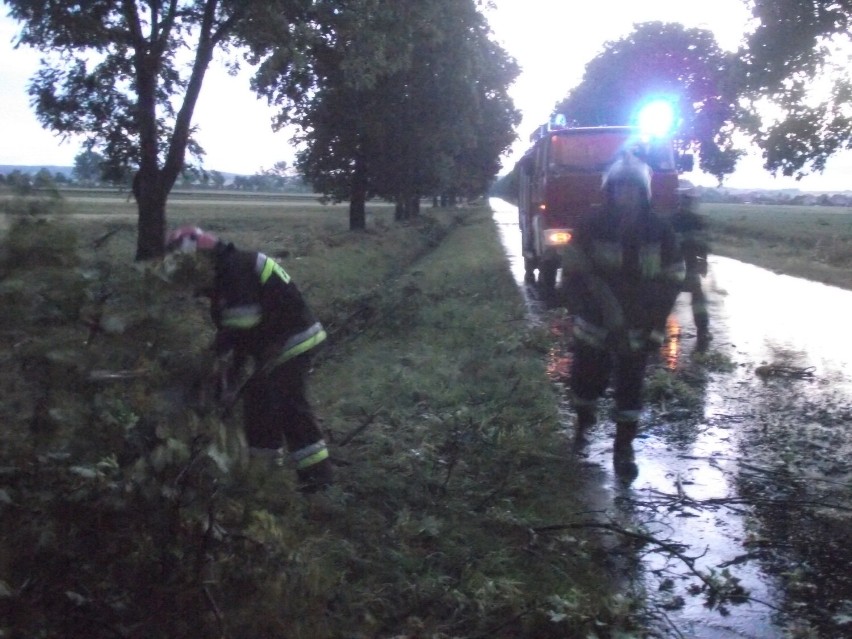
(242, 317)
(650, 261)
(675, 272)
(310, 454)
(589, 333)
(270, 267)
(318, 334)
(316, 458)
(301, 347)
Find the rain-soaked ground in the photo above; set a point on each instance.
(743, 500)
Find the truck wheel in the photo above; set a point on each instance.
(547, 278)
(529, 270)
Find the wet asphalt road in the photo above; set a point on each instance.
(746, 479)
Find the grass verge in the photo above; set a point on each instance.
(813, 242)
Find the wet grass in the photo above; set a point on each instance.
(433, 394)
(814, 242)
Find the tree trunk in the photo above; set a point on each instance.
(357, 211)
(358, 198)
(155, 184)
(151, 199)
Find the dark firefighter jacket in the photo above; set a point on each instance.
(621, 286)
(258, 311)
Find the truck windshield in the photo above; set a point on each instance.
(587, 152)
(595, 151)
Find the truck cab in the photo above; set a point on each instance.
(560, 177)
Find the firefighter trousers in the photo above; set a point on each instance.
(276, 409)
(698, 301)
(594, 368)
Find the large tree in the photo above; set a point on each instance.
(128, 74)
(796, 84)
(408, 98)
(661, 59)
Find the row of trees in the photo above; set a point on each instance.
(87, 172)
(395, 98)
(404, 98)
(764, 92)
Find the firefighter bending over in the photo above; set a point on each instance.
(689, 229)
(259, 313)
(622, 274)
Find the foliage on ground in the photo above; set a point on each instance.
(127, 508)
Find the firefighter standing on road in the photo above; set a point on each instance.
(259, 313)
(622, 274)
(689, 228)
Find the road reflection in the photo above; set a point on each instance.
(696, 462)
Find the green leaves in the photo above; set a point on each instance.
(794, 76)
(669, 60)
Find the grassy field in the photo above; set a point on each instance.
(120, 484)
(121, 488)
(814, 242)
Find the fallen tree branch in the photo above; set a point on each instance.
(674, 549)
(368, 420)
(746, 501)
(778, 370)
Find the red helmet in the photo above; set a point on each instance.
(188, 239)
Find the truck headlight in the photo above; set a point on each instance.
(557, 237)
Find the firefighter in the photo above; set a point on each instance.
(260, 314)
(689, 229)
(622, 274)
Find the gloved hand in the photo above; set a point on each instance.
(224, 378)
(701, 266)
(654, 340)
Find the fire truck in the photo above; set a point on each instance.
(559, 182)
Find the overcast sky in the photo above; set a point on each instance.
(547, 37)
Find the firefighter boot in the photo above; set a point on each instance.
(316, 477)
(622, 453)
(702, 341)
(702, 329)
(313, 467)
(586, 418)
(264, 480)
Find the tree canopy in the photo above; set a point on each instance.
(658, 59)
(128, 74)
(797, 95)
(407, 99)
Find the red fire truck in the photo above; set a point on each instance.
(560, 177)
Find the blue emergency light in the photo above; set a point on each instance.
(656, 119)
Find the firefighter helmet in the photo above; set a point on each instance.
(628, 169)
(189, 239)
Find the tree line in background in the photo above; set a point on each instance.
(397, 99)
(87, 173)
(401, 99)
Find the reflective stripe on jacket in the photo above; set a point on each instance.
(259, 311)
(298, 344)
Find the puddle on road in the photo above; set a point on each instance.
(698, 467)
